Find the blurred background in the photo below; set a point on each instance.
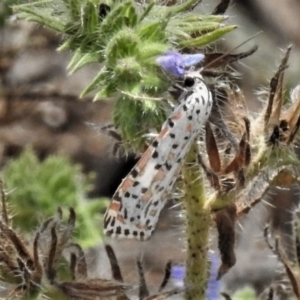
(40, 109)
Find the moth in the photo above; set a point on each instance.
(135, 207)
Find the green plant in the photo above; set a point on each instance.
(48, 264)
(126, 40)
(245, 293)
(5, 10)
(38, 187)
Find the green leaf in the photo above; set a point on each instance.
(207, 38)
(98, 81)
(151, 50)
(107, 91)
(146, 11)
(53, 14)
(90, 17)
(81, 60)
(115, 19)
(185, 6)
(131, 15)
(153, 31)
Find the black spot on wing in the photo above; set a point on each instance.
(107, 220)
(113, 221)
(155, 144)
(170, 122)
(118, 230)
(136, 183)
(117, 197)
(126, 232)
(171, 182)
(155, 154)
(157, 187)
(109, 232)
(172, 135)
(142, 235)
(127, 195)
(168, 166)
(160, 189)
(144, 190)
(157, 166)
(134, 173)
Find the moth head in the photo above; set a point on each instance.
(191, 79)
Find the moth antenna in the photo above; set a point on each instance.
(231, 50)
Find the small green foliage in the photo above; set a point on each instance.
(5, 10)
(37, 188)
(126, 42)
(246, 293)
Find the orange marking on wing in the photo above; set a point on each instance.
(163, 133)
(188, 127)
(171, 156)
(177, 116)
(120, 218)
(146, 197)
(126, 184)
(115, 206)
(144, 159)
(153, 212)
(140, 226)
(160, 175)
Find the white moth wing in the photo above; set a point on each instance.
(138, 201)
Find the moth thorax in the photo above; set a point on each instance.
(189, 82)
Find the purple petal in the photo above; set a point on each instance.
(172, 63)
(178, 272)
(192, 59)
(214, 285)
(175, 63)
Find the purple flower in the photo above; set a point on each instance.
(175, 63)
(177, 275)
(213, 286)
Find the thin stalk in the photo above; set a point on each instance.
(197, 229)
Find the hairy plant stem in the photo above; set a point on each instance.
(197, 228)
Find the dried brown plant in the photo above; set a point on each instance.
(33, 270)
(264, 156)
(288, 285)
